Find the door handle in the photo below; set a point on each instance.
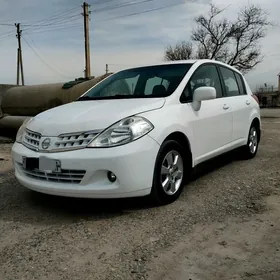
(225, 107)
(248, 102)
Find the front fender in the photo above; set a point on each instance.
(167, 122)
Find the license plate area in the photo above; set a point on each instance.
(30, 163)
(43, 164)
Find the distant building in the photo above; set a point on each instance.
(269, 96)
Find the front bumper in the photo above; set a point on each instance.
(133, 165)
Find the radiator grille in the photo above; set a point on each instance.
(32, 139)
(78, 140)
(63, 142)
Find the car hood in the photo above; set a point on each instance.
(90, 115)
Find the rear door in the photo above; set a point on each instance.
(236, 93)
(212, 124)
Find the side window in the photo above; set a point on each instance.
(240, 82)
(206, 75)
(155, 81)
(231, 86)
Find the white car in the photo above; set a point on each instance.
(139, 132)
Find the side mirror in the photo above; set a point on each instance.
(202, 93)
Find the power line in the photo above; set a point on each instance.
(57, 22)
(47, 64)
(68, 20)
(50, 20)
(9, 32)
(60, 21)
(64, 23)
(58, 15)
(143, 12)
(7, 24)
(53, 29)
(6, 34)
(102, 2)
(121, 6)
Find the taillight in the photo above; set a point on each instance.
(256, 98)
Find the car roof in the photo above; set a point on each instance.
(189, 61)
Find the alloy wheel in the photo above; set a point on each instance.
(172, 172)
(253, 140)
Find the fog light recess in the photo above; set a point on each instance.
(111, 176)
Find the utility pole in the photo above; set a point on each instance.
(86, 33)
(19, 55)
(107, 69)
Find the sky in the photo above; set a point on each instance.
(53, 38)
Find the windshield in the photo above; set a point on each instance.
(142, 82)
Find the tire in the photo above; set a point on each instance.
(251, 148)
(172, 177)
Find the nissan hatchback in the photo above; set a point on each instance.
(139, 132)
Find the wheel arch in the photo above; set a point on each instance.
(256, 121)
(183, 140)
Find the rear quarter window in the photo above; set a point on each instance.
(241, 85)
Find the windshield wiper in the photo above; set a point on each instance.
(82, 98)
(117, 96)
(124, 96)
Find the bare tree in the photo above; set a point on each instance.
(249, 28)
(234, 42)
(212, 35)
(180, 51)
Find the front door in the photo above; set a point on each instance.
(212, 124)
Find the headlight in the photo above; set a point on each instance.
(123, 132)
(21, 130)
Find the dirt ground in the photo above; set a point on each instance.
(224, 226)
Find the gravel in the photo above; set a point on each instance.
(226, 218)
